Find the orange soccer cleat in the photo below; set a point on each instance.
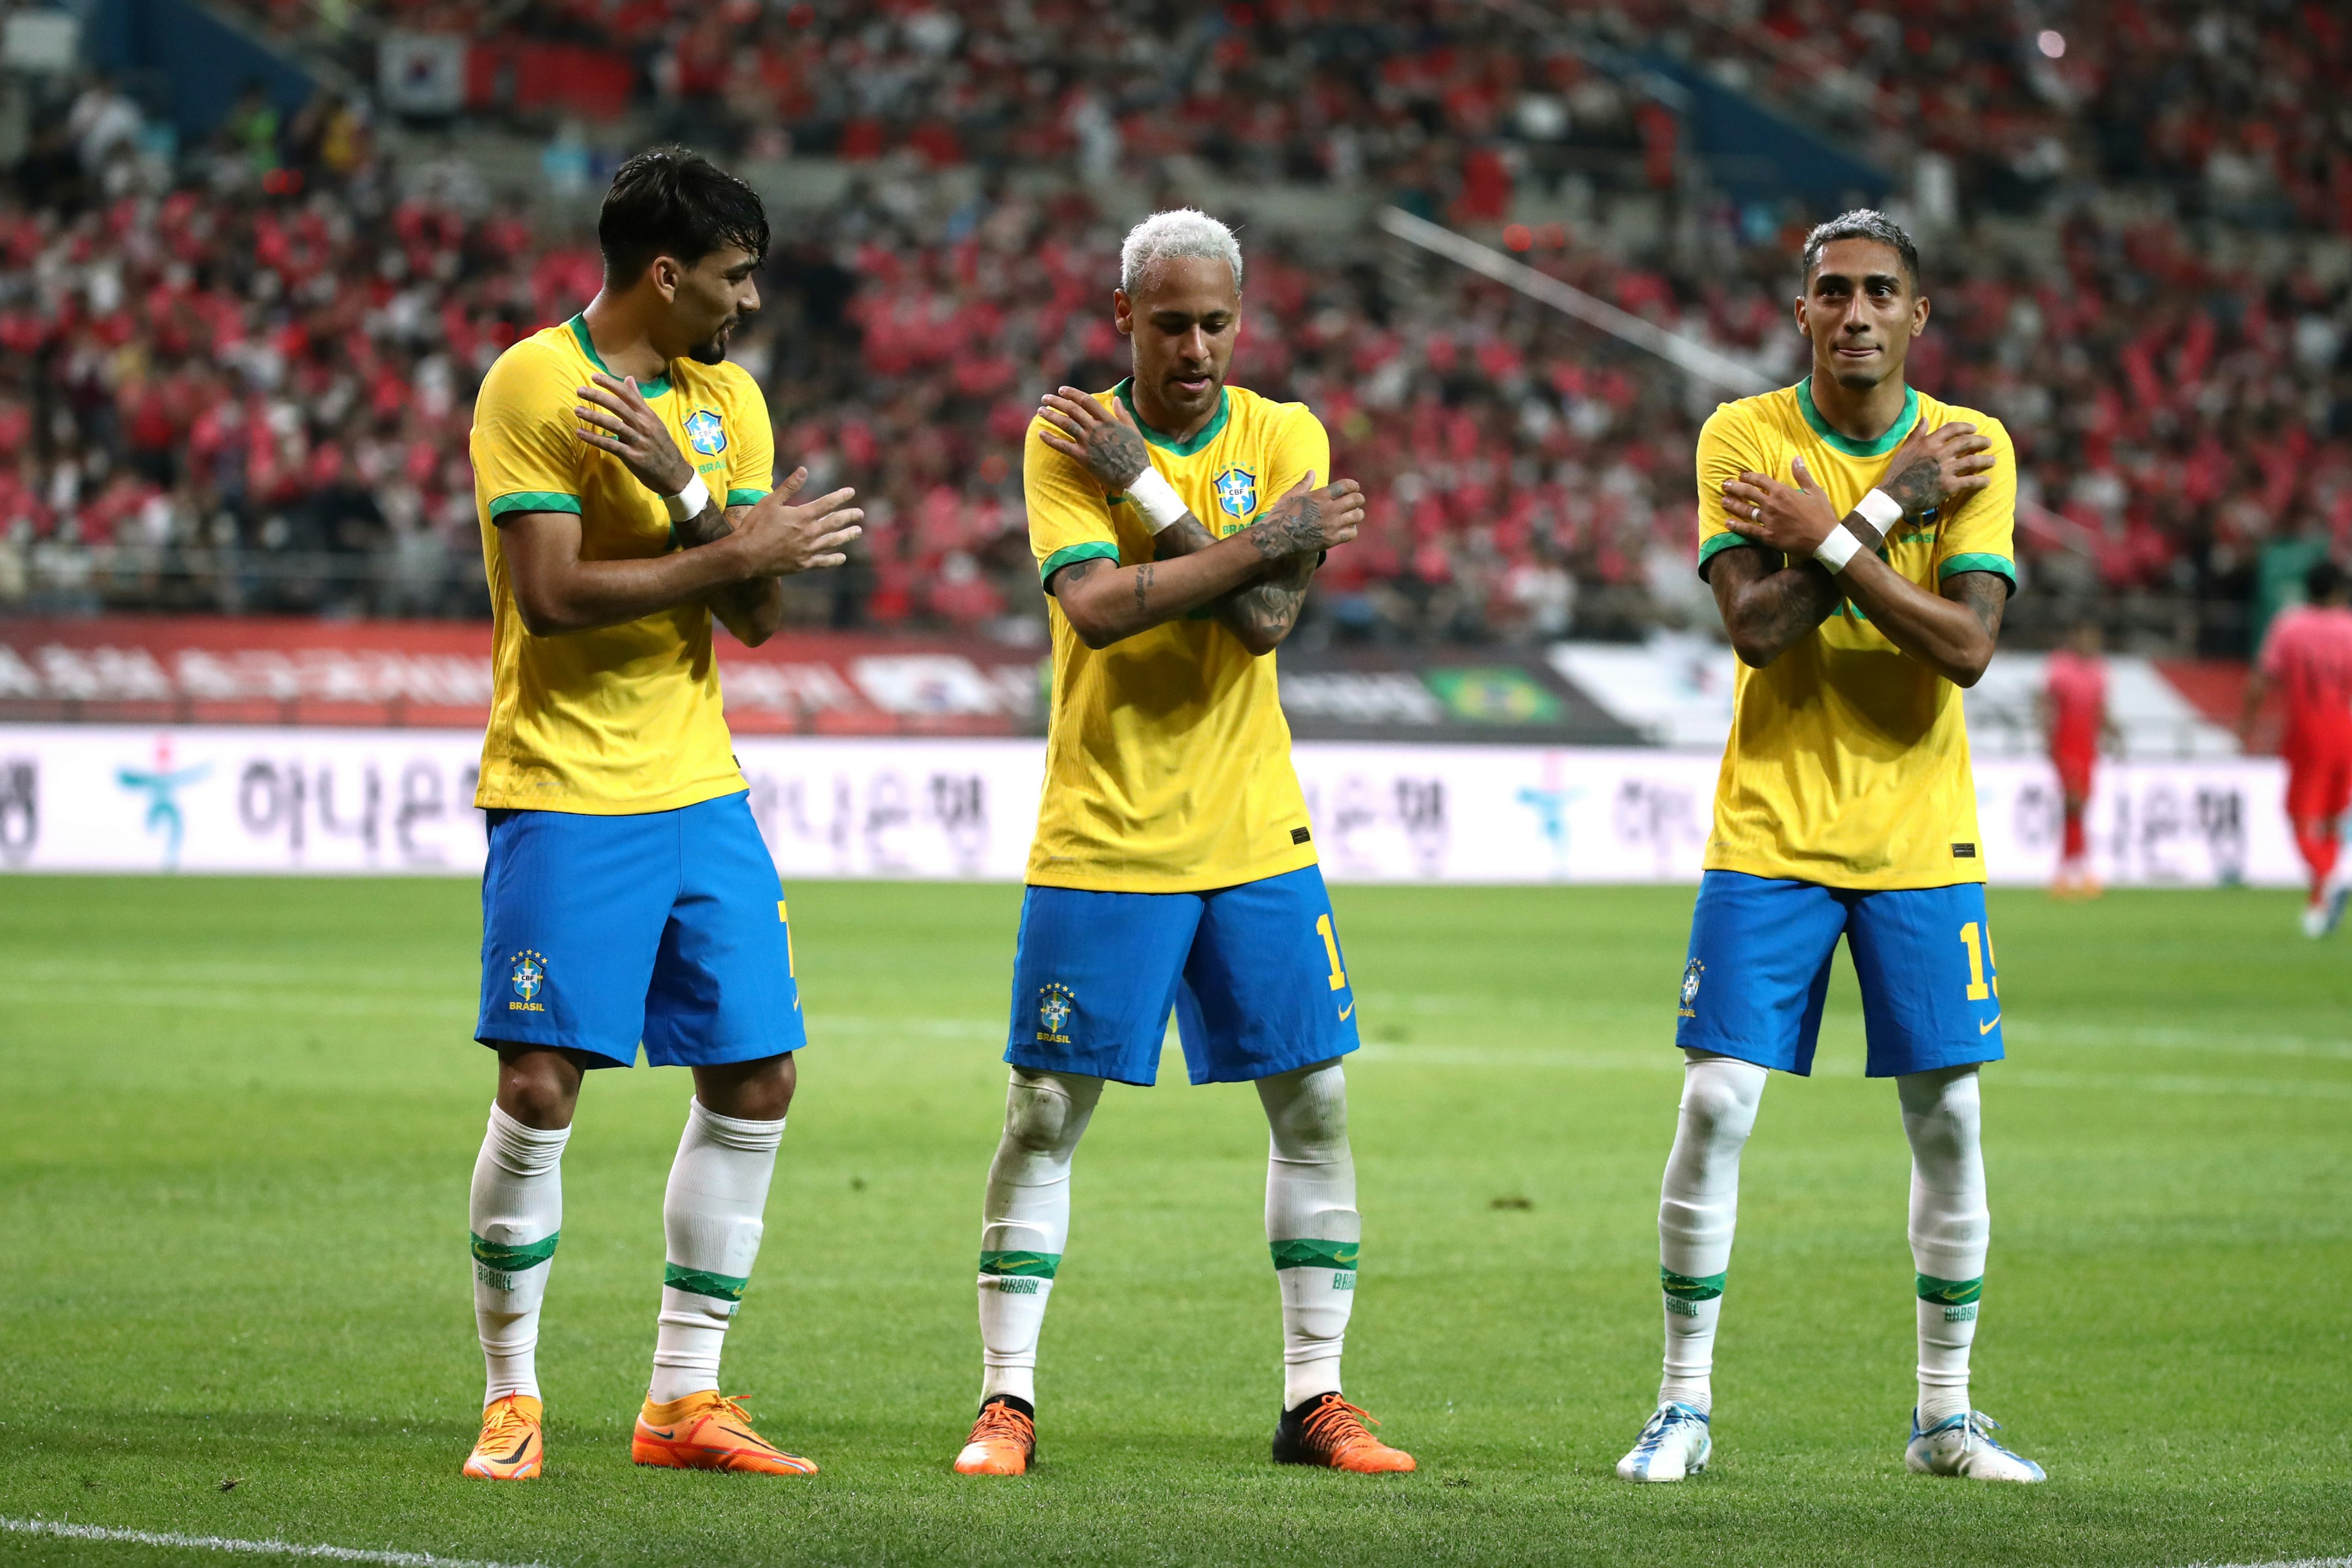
(1003, 1441)
(1327, 1431)
(708, 1431)
(511, 1445)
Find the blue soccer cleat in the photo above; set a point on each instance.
(1962, 1445)
(1674, 1444)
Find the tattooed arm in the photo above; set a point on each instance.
(1107, 603)
(1259, 607)
(1952, 630)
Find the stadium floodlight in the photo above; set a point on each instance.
(1686, 354)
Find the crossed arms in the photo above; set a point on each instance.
(1253, 582)
(1769, 608)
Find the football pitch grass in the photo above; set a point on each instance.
(241, 1117)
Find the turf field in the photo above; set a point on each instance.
(240, 1117)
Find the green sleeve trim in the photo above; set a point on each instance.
(1950, 1292)
(1715, 544)
(697, 1282)
(746, 497)
(1021, 1265)
(1070, 554)
(1999, 566)
(508, 1259)
(533, 501)
(1339, 1255)
(1687, 1288)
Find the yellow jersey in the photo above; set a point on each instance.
(1848, 760)
(1167, 756)
(624, 719)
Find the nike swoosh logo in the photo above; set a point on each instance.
(752, 1437)
(1345, 1011)
(1988, 1029)
(518, 1454)
(665, 1436)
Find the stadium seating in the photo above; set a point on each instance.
(242, 379)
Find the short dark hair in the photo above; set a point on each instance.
(2325, 580)
(669, 201)
(1862, 223)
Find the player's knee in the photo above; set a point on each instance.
(1720, 1104)
(1307, 1110)
(1043, 1113)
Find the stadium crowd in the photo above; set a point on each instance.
(243, 378)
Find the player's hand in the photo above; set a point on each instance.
(1793, 520)
(1108, 445)
(777, 539)
(616, 418)
(1306, 520)
(1935, 468)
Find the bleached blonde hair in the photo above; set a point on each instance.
(1179, 231)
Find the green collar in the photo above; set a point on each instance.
(1851, 447)
(579, 325)
(1209, 432)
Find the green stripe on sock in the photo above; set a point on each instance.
(1950, 1292)
(1684, 1287)
(1021, 1265)
(514, 1260)
(1341, 1255)
(695, 1282)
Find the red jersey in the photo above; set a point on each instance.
(2077, 690)
(2308, 656)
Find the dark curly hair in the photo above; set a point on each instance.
(669, 201)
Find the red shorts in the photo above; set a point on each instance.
(2319, 778)
(2074, 765)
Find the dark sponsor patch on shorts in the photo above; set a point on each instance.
(1299, 835)
(1964, 851)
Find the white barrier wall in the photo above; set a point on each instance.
(132, 798)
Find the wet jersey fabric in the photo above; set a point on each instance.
(622, 719)
(1848, 760)
(1167, 756)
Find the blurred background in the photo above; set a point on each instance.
(256, 255)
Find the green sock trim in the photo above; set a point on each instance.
(1341, 1255)
(1950, 1292)
(695, 1282)
(1685, 1288)
(514, 1260)
(1021, 1265)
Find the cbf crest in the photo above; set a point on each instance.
(1692, 973)
(1237, 490)
(529, 978)
(1054, 1004)
(705, 433)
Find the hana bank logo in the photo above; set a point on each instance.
(162, 784)
(1549, 800)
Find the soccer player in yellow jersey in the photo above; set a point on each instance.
(1176, 522)
(623, 473)
(1856, 535)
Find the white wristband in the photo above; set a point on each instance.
(688, 502)
(1157, 499)
(1839, 548)
(1879, 510)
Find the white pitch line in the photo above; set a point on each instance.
(63, 1531)
(2298, 1562)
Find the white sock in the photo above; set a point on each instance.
(1950, 1228)
(515, 1211)
(711, 1225)
(1025, 1223)
(1311, 1224)
(1698, 1206)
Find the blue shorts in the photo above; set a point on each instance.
(1759, 966)
(668, 927)
(1254, 973)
